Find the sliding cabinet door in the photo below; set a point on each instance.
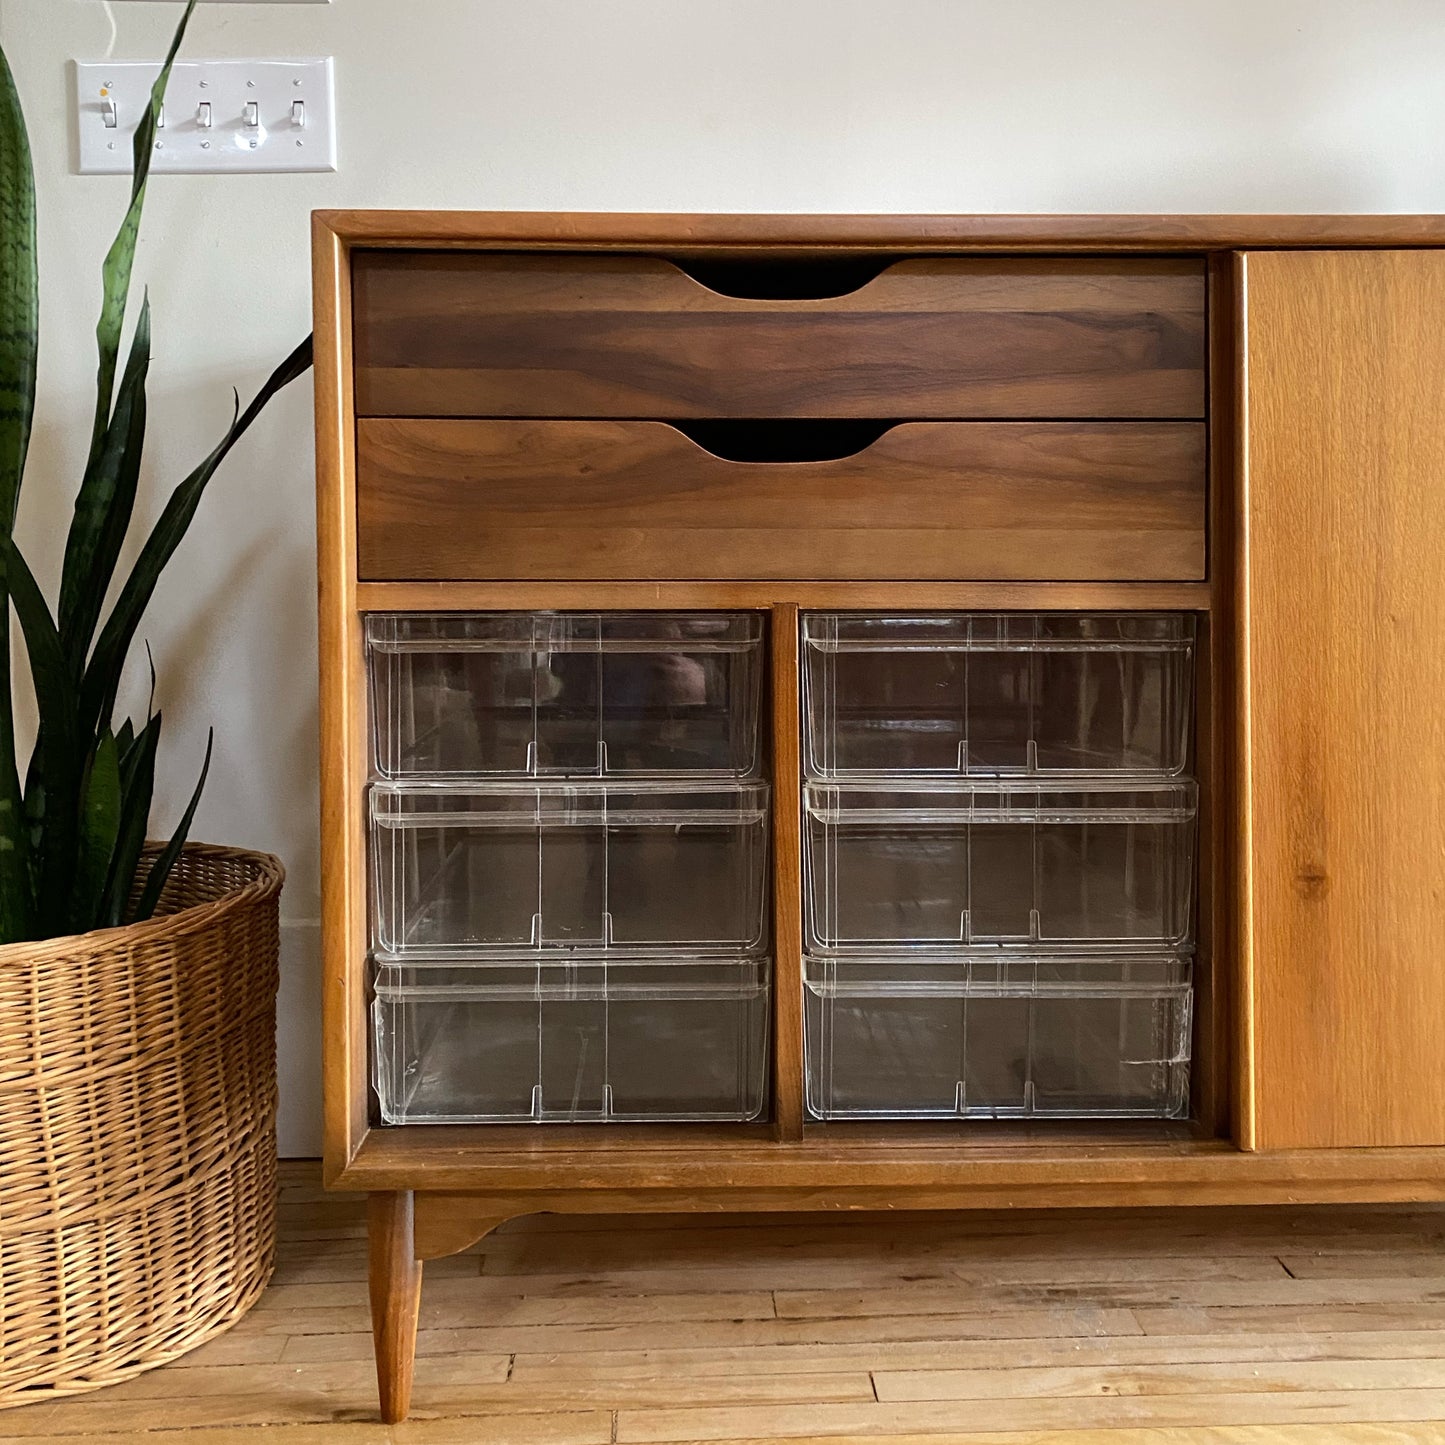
(1342, 756)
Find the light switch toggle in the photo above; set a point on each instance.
(203, 115)
(251, 115)
(298, 115)
(109, 113)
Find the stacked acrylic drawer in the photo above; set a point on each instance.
(569, 839)
(999, 853)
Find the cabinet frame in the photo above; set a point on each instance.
(436, 1189)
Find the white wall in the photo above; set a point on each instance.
(728, 105)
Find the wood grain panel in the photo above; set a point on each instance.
(342, 713)
(787, 772)
(873, 596)
(457, 500)
(453, 334)
(518, 1170)
(1344, 612)
(801, 232)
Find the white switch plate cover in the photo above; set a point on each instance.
(186, 146)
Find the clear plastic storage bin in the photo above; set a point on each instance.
(591, 694)
(997, 693)
(621, 1039)
(590, 865)
(1106, 865)
(958, 1037)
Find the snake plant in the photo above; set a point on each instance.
(72, 835)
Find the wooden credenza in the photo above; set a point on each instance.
(1239, 421)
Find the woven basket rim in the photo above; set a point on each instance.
(270, 875)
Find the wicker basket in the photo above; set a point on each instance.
(138, 1131)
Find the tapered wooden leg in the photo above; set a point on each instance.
(394, 1272)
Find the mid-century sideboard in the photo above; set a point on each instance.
(846, 712)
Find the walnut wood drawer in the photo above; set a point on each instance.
(450, 499)
(478, 334)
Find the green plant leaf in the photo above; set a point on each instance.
(120, 259)
(100, 823)
(160, 870)
(19, 295)
(60, 756)
(104, 505)
(19, 337)
(102, 676)
(137, 781)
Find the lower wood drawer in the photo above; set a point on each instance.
(459, 500)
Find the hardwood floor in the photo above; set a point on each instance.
(1273, 1326)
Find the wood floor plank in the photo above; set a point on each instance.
(579, 1427)
(470, 1370)
(1324, 1264)
(566, 1428)
(889, 1274)
(462, 1300)
(1324, 1319)
(1280, 1291)
(1160, 1379)
(238, 1346)
(310, 1343)
(1338, 1407)
(1394, 1433)
(957, 1354)
(330, 1432)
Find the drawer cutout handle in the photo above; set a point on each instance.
(786, 279)
(792, 440)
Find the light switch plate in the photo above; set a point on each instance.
(282, 137)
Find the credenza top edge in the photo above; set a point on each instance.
(1017, 232)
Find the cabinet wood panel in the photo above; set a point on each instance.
(461, 500)
(447, 334)
(1344, 736)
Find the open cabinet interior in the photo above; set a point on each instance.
(675, 867)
